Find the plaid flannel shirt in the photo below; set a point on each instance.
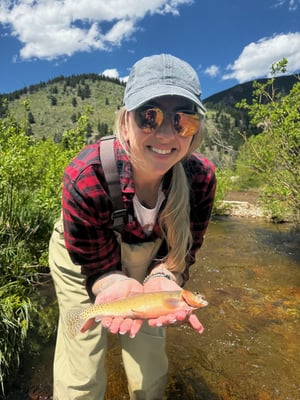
(87, 210)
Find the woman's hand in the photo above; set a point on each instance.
(157, 284)
(117, 286)
(117, 289)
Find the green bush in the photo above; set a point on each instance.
(30, 200)
(15, 307)
(272, 157)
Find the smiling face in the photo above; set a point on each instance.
(158, 151)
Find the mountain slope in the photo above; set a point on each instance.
(235, 94)
(52, 108)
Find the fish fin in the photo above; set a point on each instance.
(138, 313)
(89, 324)
(74, 322)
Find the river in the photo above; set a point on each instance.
(249, 271)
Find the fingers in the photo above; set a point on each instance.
(136, 326)
(132, 326)
(125, 326)
(163, 320)
(122, 325)
(195, 323)
(180, 316)
(112, 324)
(106, 321)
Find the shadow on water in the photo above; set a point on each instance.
(249, 272)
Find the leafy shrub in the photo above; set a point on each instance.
(30, 200)
(272, 157)
(15, 307)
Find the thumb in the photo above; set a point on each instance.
(195, 323)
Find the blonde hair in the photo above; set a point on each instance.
(174, 219)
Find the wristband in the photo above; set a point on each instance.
(157, 275)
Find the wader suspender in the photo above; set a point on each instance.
(109, 165)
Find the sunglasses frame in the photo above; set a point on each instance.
(187, 131)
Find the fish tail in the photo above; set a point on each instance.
(74, 322)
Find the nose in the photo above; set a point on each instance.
(166, 129)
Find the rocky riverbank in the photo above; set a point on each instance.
(242, 204)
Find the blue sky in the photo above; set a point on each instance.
(227, 41)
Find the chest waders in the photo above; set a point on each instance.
(79, 364)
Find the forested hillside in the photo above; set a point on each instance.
(54, 107)
(229, 97)
(51, 108)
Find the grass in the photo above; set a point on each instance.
(52, 120)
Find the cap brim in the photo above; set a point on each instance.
(141, 97)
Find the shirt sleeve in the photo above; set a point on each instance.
(87, 217)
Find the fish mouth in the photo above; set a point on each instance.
(194, 300)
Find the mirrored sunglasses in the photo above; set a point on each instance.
(185, 122)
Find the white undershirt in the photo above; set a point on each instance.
(147, 216)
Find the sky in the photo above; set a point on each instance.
(226, 41)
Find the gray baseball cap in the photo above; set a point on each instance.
(161, 75)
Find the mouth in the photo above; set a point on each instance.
(160, 151)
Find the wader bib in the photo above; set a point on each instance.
(79, 363)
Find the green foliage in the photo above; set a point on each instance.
(219, 143)
(224, 120)
(224, 185)
(73, 140)
(31, 174)
(15, 307)
(272, 157)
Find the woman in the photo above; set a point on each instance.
(168, 195)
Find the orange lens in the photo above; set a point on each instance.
(186, 124)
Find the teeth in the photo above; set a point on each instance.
(160, 151)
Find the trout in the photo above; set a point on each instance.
(139, 306)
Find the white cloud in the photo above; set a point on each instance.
(50, 29)
(114, 73)
(291, 4)
(111, 73)
(256, 58)
(212, 71)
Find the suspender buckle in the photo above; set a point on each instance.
(118, 219)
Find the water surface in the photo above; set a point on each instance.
(249, 272)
